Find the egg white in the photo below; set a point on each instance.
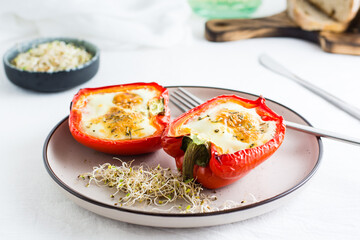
(221, 135)
(98, 105)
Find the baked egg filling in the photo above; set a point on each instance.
(231, 127)
(128, 114)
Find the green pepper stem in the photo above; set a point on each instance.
(194, 154)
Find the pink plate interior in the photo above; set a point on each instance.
(281, 175)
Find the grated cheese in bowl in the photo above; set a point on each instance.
(52, 57)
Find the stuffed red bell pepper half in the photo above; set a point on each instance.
(122, 119)
(221, 140)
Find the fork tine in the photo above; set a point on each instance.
(191, 96)
(179, 104)
(185, 99)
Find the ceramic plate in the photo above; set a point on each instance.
(267, 187)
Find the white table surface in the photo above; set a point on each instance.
(33, 207)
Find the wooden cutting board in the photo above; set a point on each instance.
(280, 25)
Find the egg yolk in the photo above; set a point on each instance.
(121, 115)
(127, 99)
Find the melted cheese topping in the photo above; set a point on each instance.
(119, 115)
(231, 127)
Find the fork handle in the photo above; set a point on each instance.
(322, 133)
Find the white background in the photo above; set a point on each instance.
(33, 207)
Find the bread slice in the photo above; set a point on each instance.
(309, 18)
(341, 10)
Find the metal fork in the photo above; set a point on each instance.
(185, 101)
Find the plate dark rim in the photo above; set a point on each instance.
(227, 211)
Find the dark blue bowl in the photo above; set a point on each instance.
(54, 81)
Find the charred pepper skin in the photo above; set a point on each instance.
(225, 169)
(125, 146)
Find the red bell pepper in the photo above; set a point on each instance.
(207, 164)
(118, 122)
